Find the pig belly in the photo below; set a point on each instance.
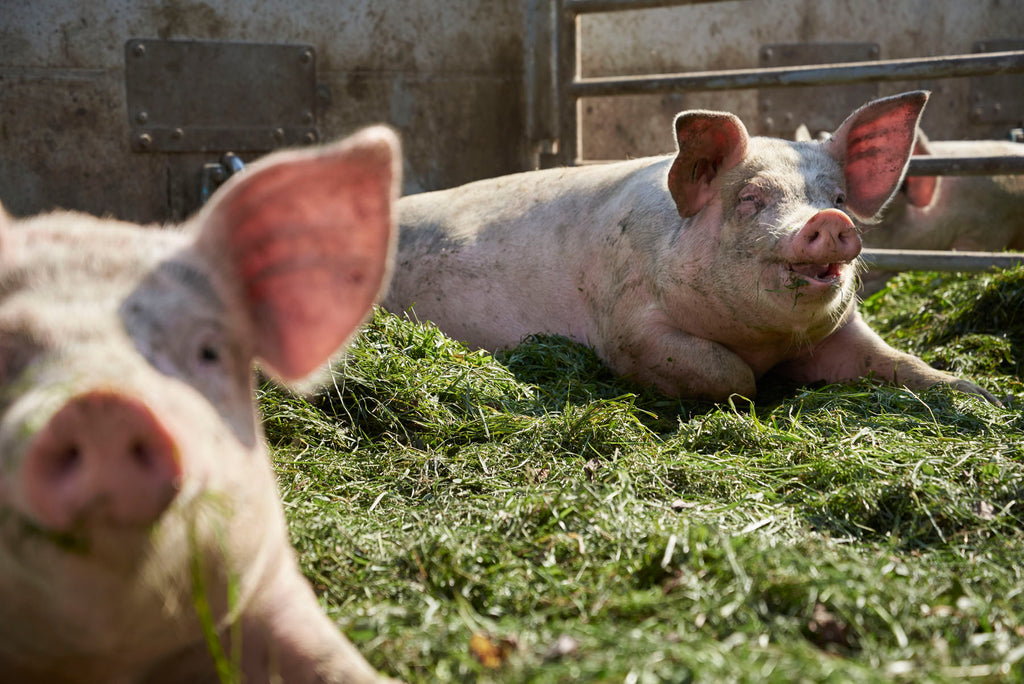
(488, 305)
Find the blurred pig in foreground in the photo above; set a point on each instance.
(138, 507)
(965, 213)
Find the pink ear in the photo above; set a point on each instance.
(874, 146)
(709, 143)
(308, 235)
(920, 190)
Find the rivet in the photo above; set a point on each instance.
(142, 117)
(177, 134)
(767, 53)
(145, 140)
(769, 123)
(279, 134)
(306, 57)
(307, 118)
(138, 49)
(309, 137)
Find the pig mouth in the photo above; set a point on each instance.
(825, 274)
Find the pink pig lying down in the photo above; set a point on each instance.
(696, 273)
(134, 481)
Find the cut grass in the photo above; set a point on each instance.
(837, 533)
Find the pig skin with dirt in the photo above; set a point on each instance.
(696, 273)
(135, 486)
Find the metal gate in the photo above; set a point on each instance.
(554, 120)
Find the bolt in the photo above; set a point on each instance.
(145, 140)
(177, 134)
(142, 117)
(138, 49)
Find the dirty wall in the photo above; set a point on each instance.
(446, 74)
(457, 78)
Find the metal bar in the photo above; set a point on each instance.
(592, 6)
(568, 71)
(928, 260)
(985, 64)
(965, 166)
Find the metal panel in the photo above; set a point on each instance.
(998, 99)
(219, 96)
(818, 107)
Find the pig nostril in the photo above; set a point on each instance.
(140, 453)
(66, 461)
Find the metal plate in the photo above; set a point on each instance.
(998, 99)
(820, 108)
(201, 96)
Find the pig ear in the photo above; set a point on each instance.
(874, 145)
(308, 239)
(709, 143)
(920, 190)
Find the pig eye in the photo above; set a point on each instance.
(208, 353)
(751, 200)
(209, 350)
(840, 199)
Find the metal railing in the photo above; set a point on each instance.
(570, 87)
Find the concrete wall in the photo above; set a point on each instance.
(446, 74)
(453, 76)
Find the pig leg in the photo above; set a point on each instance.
(297, 643)
(855, 351)
(284, 637)
(683, 365)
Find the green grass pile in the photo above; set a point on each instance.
(530, 517)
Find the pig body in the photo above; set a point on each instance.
(137, 502)
(696, 273)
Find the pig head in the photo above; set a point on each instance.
(697, 272)
(141, 533)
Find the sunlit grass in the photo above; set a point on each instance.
(588, 530)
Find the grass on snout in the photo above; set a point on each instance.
(532, 518)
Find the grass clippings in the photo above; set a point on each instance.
(529, 517)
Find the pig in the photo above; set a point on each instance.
(966, 213)
(696, 273)
(138, 507)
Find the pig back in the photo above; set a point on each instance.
(496, 260)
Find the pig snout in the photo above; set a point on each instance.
(102, 457)
(826, 241)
